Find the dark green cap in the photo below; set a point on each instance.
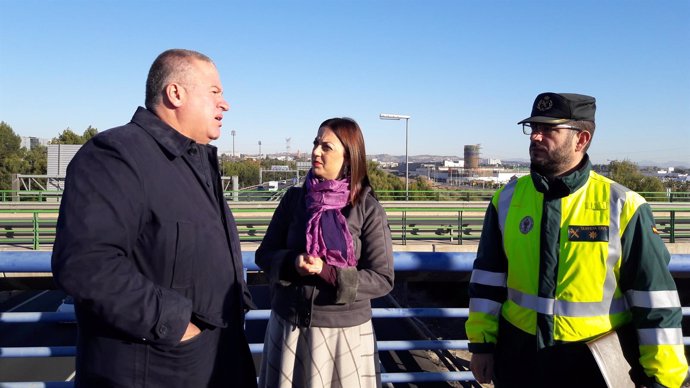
(559, 108)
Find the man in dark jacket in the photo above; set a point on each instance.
(148, 247)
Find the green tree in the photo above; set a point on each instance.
(67, 137)
(268, 175)
(247, 171)
(677, 186)
(628, 174)
(388, 186)
(10, 155)
(70, 137)
(89, 133)
(35, 160)
(421, 190)
(9, 141)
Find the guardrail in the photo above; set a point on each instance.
(28, 227)
(404, 261)
(449, 222)
(254, 194)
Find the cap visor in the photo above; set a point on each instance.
(544, 120)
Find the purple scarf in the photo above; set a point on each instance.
(328, 236)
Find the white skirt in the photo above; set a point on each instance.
(319, 357)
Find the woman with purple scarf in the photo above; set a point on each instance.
(327, 252)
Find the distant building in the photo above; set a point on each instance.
(667, 171)
(31, 142)
(451, 163)
(386, 164)
(499, 177)
(472, 152)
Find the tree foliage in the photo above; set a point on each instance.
(10, 158)
(9, 141)
(35, 160)
(382, 181)
(70, 137)
(16, 160)
(394, 187)
(628, 174)
(247, 171)
(89, 133)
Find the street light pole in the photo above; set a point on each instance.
(388, 116)
(259, 149)
(233, 133)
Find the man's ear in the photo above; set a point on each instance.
(583, 138)
(175, 94)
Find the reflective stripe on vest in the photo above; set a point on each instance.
(504, 203)
(660, 336)
(486, 306)
(608, 304)
(653, 299)
(564, 308)
(488, 278)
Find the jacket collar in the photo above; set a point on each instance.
(168, 137)
(559, 187)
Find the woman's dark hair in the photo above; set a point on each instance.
(348, 132)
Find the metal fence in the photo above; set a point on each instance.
(404, 262)
(255, 194)
(433, 222)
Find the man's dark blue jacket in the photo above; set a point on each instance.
(145, 241)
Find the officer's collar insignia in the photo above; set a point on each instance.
(545, 103)
(526, 224)
(592, 233)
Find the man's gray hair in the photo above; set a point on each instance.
(170, 66)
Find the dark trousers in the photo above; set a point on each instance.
(518, 363)
(214, 358)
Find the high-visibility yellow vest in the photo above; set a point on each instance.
(587, 301)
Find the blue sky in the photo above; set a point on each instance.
(466, 71)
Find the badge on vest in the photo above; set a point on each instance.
(593, 233)
(526, 224)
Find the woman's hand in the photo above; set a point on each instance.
(308, 265)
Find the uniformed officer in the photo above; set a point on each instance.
(565, 256)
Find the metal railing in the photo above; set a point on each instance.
(254, 194)
(404, 261)
(433, 222)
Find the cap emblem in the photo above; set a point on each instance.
(544, 104)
